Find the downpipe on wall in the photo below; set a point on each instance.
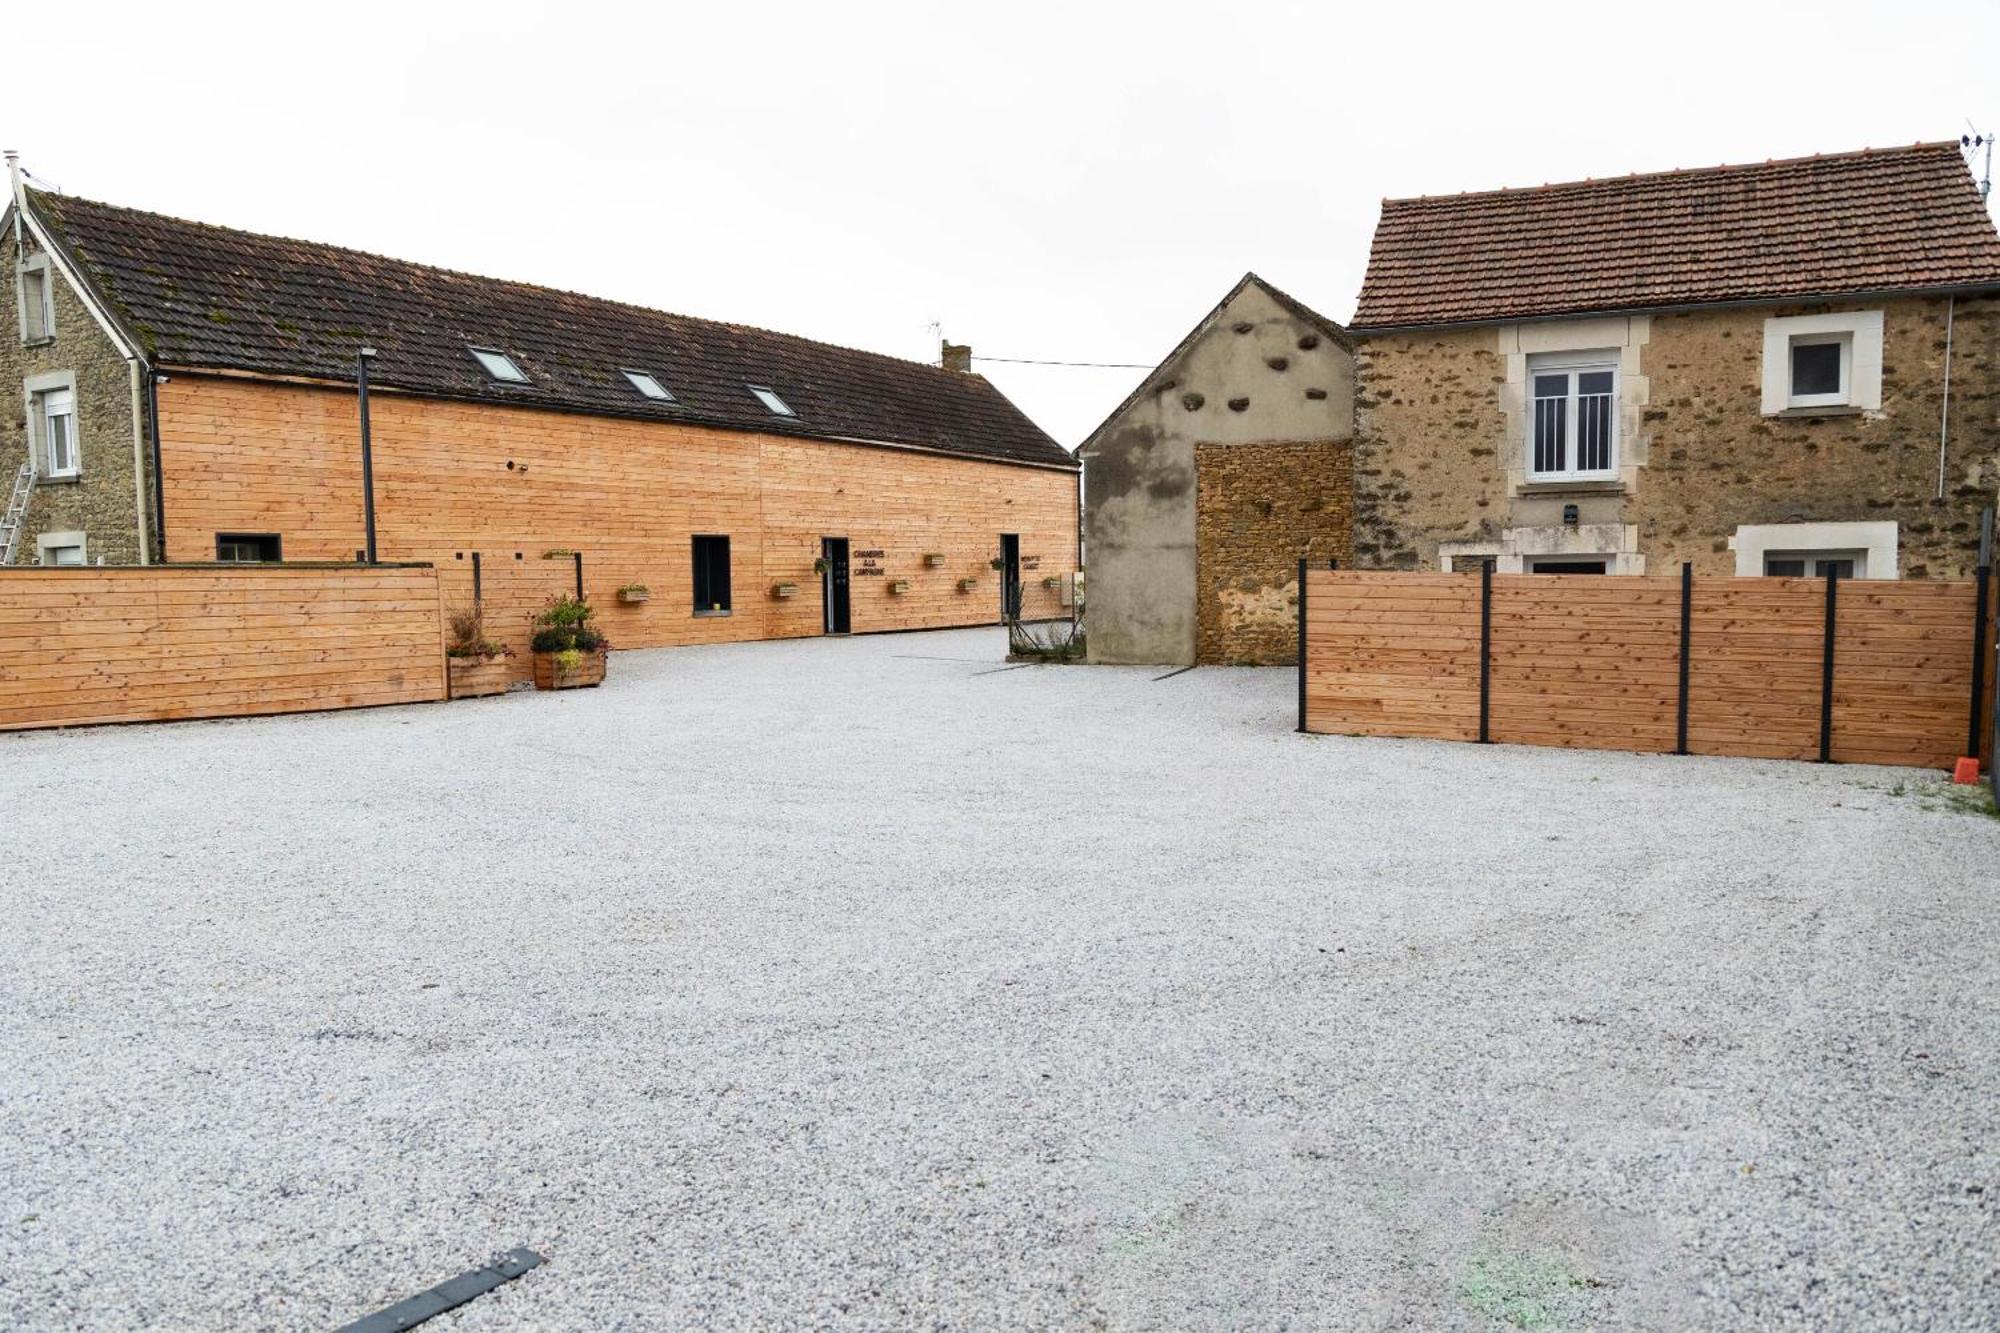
(1944, 413)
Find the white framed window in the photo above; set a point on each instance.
(499, 365)
(1816, 564)
(1816, 362)
(37, 298)
(768, 396)
(60, 548)
(1572, 417)
(646, 382)
(1865, 550)
(54, 422)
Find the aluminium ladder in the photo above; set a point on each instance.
(17, 512)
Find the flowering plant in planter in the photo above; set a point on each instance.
(474, 664)
(633, 593)
(569, 650)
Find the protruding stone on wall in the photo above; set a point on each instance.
(1192, 401)
(1278, 363)
(1239, 404)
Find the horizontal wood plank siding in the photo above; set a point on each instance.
(1594, 662)
(148, 644)
(454, 478)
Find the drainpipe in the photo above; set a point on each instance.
(361, 360)
(136, 368)
(1944, 413)
(153, 382)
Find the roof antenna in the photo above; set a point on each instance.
(1969, 144)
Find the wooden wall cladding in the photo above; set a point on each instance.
(1594, 662)
(451, 478)
(131, 644)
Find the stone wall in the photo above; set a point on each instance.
(1439, 430)
(1259, 509)
(103, 501)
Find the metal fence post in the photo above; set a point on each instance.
(1980, 640)
(1302, 644)
(1486, 650)
(1687, 622)
(578, 557)
(1826, 670)
(476, 590)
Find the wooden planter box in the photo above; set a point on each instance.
(472, 677)
(633, 596)
(967, 585)
(933, 559)
(590, 671)
(897, 587)
(1053, 583)
(783, 590)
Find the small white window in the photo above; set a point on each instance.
(1822, 369)
(37, 299)
(55, 413)
(1813, 363)
(1573, 419)
(769, 398)
(499, 365)
(647, 383)
(1816, 564)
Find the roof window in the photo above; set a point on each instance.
(649, 384)
(499, 365)
(769, 398)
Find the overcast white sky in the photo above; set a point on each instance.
(1063, 181)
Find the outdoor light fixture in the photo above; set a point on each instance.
(1569, 516)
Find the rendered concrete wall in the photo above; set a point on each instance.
(1257, 374)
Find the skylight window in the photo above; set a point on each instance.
(647, 383)
(499, 365)
(769, 398)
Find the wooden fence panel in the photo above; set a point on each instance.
(1595, 662)
(1586, 661)
(127, 644)
(1902, 672)
(1757, 647)
(1393, 654)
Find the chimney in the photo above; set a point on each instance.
(958, 357)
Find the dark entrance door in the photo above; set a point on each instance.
(1010, 576)
(833, 584)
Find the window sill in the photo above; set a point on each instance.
(49, 341)
(66, 479)
(710, 615)
(1808, 413)
(1603, 486)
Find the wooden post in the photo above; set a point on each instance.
(1687, 622)
(1302, 644)
(1486, 650)
(1826, 670)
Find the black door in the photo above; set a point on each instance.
(1010, 576)
(833, 584)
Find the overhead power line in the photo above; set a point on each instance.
(1092, 365)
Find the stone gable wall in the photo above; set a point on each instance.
(103, 501)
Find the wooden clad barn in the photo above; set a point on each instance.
(736, 483)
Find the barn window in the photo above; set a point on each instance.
(777, 406)
(499, 365)
(249, 548)
(711, 576)
(37, 300)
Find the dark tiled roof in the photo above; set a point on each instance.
(1875, 221)
(213, 298)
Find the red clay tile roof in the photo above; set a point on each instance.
(1875, 221)
(205, 297)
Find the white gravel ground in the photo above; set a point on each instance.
(863, 985)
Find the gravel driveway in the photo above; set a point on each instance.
(866, 985)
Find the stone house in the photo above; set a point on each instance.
(75, 481)
(182, 392)
(1203, 490)
(1780, 368)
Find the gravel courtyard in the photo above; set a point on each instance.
(866, 984)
